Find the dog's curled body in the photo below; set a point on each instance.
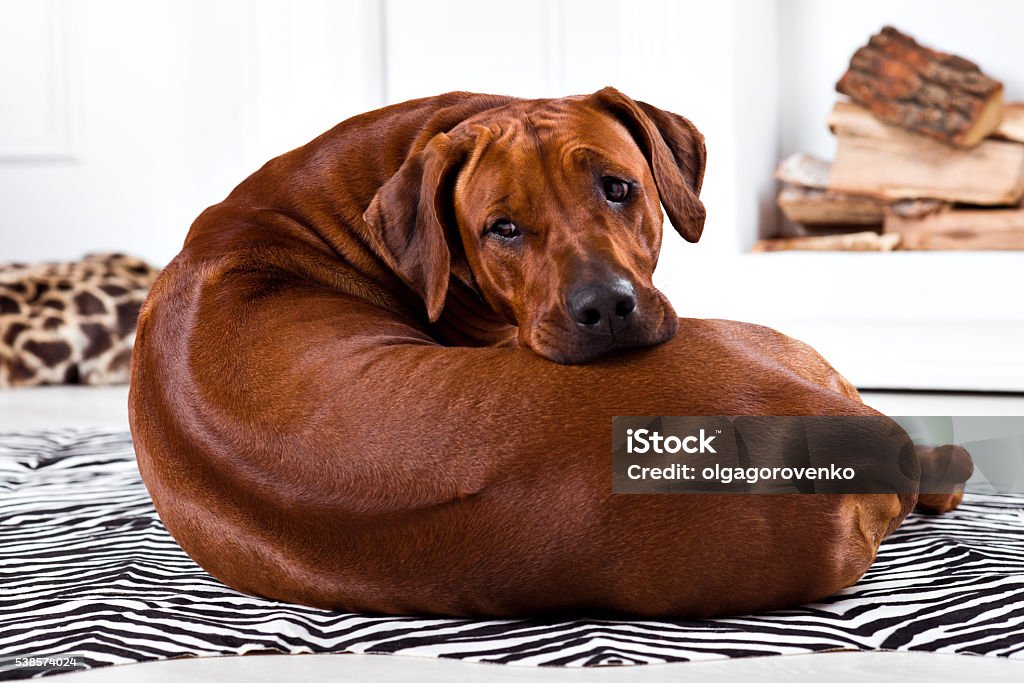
(314, 426)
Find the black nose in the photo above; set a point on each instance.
(603, 308)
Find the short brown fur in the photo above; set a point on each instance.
(343, 392)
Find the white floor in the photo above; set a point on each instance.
(856, 667)
(77, 406)
(106, 407)
(64, 406)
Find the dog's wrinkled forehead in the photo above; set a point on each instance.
(557, 133)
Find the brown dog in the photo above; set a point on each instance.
(343, 395)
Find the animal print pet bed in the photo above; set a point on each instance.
(87, 568)
(70, 323)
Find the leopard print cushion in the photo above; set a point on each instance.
(70, 323)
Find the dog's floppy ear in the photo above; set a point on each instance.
(406, 221)
(675, 152)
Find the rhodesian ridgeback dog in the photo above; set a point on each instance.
(380, 377)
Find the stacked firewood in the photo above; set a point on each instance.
(928, 157)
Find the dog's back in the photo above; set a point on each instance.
(307, 436)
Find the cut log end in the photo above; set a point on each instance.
(988, 121)
(1012, 125)
(804, 170)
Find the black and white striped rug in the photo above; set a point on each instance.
(86, 567)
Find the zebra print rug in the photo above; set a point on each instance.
(86, 567)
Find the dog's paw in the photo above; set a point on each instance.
(937, 503)
(944, 469)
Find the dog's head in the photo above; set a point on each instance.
(551, 211)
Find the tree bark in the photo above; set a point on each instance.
(929, 92)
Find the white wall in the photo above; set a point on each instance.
(159, 109)
(122, 120)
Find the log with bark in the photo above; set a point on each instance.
(930, 92)
(813, 207)
(883, 161)
(806, 199)
(858, 241)
(960, 229)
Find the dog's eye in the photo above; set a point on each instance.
(505, 229)
(615, 189)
